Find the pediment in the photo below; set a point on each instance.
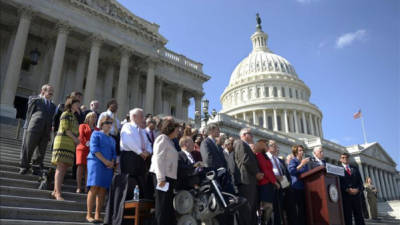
(377, 152)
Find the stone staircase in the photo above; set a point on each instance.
(21, 202)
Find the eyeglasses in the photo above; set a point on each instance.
(108, 122)
(249, 134)
(344, 157)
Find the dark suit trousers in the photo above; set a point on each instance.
(352, 207)
(165, 213)
(247, 213)
(277, 207)
(134, 165)
(300, 204)
(30, 141)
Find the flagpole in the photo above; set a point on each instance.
(363, 129)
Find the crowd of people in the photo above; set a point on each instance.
(162, 155)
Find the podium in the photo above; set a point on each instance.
(323, 197)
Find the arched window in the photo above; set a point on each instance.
(258, 92)
(269, 125)
(301, 95)
(266, 91)
(275, 92)
(283, 92)
(301, 125)
(173, 111)
(279, 122)
(290, 93)
(260, 121)
(297, 94)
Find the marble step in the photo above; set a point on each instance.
(35, 193)
(42, 203)
(26, 213)
(30, 177)
(31, 184)
(38, 222)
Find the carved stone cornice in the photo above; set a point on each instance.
(114, 14)
(125, 51)
(96, 40)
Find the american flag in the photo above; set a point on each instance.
(357, 114)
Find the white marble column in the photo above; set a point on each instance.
(296, 123)
(279, 92)
(285, 116)
(9, 88)
(80, 70)
(391, 178)
(255, 120)
(316, 126)
(109, 82)
(244, 116)
(122, 90)
(389, 187)
(91, 78)
(382, 182)
(148, 106)
(320, 127)
(178, 102)
(265, 119)
(58, 60)
(361, 169)
(310, 120)
(376, 181)
(304, 122)
(275, 128)
(271, 91)
(197, 107)
(366, 172)
(396, 186)
(158, 96)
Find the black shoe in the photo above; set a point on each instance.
(23, 171)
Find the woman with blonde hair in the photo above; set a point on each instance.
(372, 195)
(82, 150)
(64, 144)
(100, 166)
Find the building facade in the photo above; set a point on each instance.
(97, 47)
(266, 94)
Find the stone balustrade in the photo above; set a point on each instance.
(180, 60)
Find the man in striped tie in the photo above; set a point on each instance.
(351, 186)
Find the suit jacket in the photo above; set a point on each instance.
(246, 162)
(351, 181)
(187, 176)
(315, 163)
(212, 156)
(39, 116)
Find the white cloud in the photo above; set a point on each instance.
(348, 38)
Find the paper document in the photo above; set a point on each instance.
(164, 189)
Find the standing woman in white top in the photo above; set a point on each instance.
(164, 166)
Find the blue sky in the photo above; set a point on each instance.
(347, 52)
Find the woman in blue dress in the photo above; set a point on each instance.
(297, 166)
(100, 167)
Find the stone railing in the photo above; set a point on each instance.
(180, 60)
(333, 145)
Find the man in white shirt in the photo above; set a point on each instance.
(282, 201)
(135, 149)
(318, 158)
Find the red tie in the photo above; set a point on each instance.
(348, 170)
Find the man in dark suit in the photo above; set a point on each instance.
(37, 128)
(249, 173)
(189, 171)
(351, 186)
(212, 156)
(318, 158)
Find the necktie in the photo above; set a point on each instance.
(191, 159)
(152, 136)
(277, 165)
(115, 124)
(143, 146)
(348, 170)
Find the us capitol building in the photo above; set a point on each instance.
(266, 94)
(103, 50)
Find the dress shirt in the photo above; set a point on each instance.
(116, 122)
(148, 131)
(318, 160)
(131, 140)
(276, 168)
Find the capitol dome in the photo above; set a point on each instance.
(264, 89)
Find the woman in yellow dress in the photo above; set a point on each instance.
(64, 144)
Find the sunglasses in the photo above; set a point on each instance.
(108, 122)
